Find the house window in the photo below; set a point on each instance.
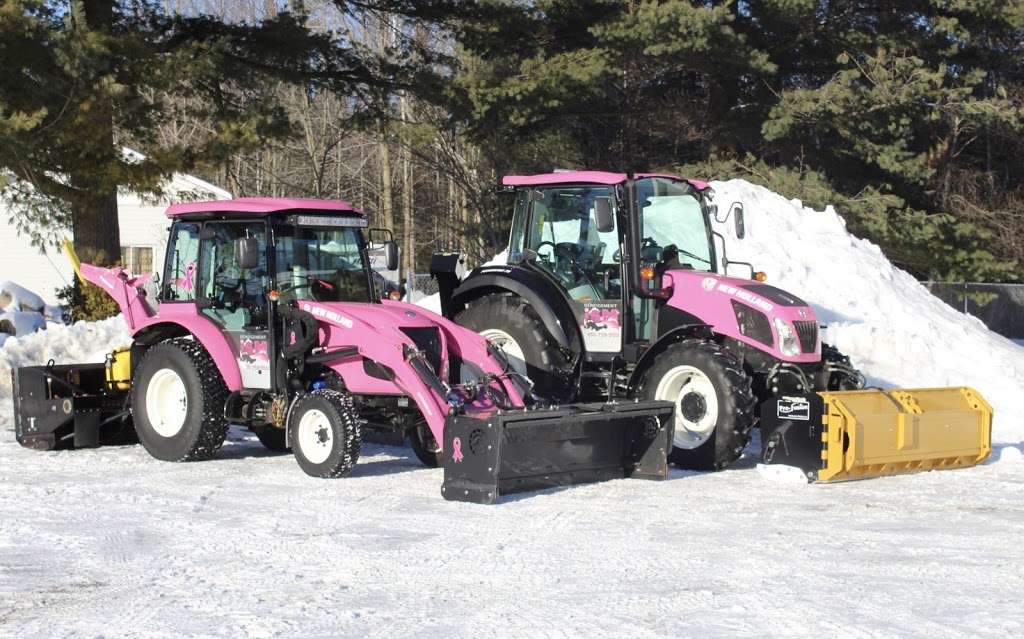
(137, 259)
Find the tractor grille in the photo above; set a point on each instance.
(427, 340)
(808, 334)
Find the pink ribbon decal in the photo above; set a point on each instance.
(189, 282)
(457, 446)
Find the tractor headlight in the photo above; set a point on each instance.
(788, 343)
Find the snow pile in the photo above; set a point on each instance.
(78, 343)
(893, 329)
(22, 312)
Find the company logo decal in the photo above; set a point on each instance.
(708, 284)
(746, 296)
(794, 408)
(599, 319)
(333, 316)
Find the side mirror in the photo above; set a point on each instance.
(247, 252)
(391, 255)
(603, 214)
(741, 225)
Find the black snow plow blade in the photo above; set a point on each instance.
(69, 406)
(528, 449)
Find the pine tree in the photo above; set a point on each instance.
(902, 107)
(81, 80)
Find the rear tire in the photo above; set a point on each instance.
(713, 401)
(325, 434)
(178, 402)
(515, 326)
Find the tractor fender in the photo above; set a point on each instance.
(204, 331)
(545, 298)
(674, 335)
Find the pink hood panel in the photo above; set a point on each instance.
(711, 298)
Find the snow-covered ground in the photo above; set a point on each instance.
(112, 543)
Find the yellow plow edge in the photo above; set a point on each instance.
(837, 436)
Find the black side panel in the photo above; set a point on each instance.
(546, 298)
(671, 318)
(791, 432)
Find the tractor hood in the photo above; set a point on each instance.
(763, 316)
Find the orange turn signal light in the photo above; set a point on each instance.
(760, 276)
(395, 295)
(273, 295)
(647, 273)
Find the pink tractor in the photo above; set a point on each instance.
(269, 318)
(615, 289)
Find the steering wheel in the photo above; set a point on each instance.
(576, 275)
(568, 276)
(310, 281)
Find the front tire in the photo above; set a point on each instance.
(515, 326)
(425, 445)
(714, 405)
(325, 434)
(178, 402)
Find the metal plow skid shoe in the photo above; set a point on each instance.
(507, 451)
(847, 435)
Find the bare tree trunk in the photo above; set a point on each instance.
(94, 208)
(407, 210)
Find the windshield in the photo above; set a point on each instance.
(324, 264)
(673, 227)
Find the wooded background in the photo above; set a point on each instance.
(906, 115)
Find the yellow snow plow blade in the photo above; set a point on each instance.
(872, 433)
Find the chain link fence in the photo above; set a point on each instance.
(999, 306)
(420, 285)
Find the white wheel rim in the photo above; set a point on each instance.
(314, 436)
(689, 387)
(512, 349)
(166, 403)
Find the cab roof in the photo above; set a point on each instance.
(588, 177)
(261, 207)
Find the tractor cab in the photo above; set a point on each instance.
(238, 265)
(574, 234)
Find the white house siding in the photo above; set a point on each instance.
(142, 224)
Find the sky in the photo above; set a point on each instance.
(111, 543)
